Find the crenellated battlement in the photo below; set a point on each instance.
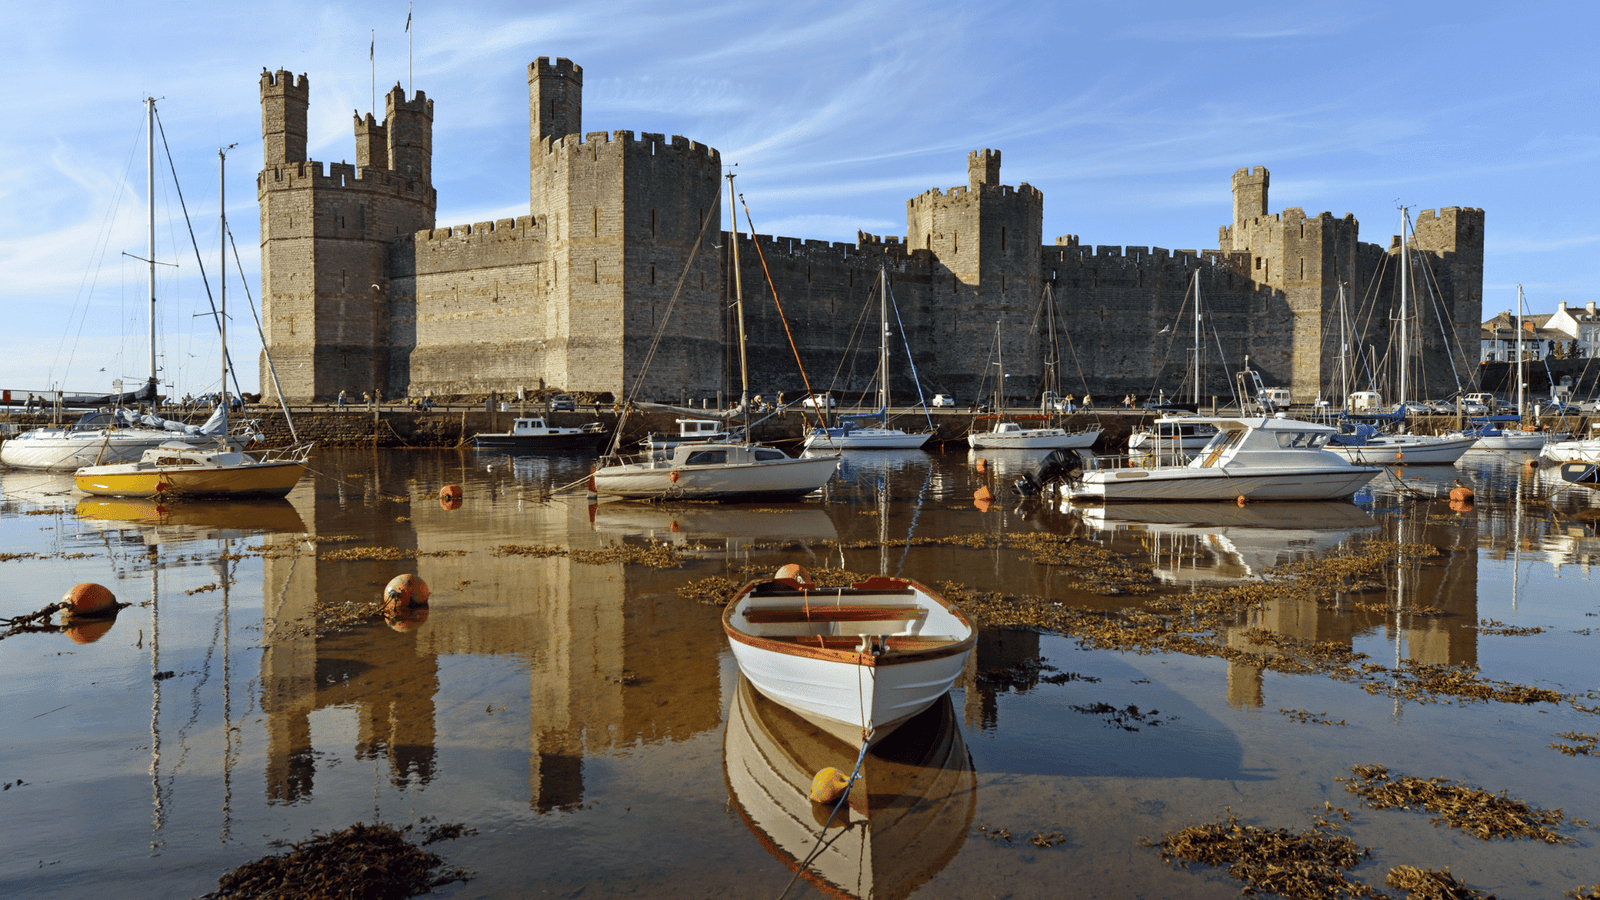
(284, 82)
(602, 143)
(340, 176)
(561, 68)
(516, 229)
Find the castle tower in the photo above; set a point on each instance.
(410, 124)
(325, 241)
(555, 110)
(1249, 195)
(283, 116)
(372, 143)
(986, 238)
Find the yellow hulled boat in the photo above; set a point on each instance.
(178, 470)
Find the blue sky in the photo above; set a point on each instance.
(1130, 118)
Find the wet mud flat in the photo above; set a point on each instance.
(1150, 687)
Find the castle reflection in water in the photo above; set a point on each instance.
(614, 657)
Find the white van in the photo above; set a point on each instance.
(1366, 401)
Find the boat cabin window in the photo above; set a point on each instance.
(707, 458)
(767, 455)
(1221, 444)
(1301, 440)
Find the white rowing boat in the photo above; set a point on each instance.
(856, 661)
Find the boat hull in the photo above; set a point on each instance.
(764, 480)
(1444, 452)
(69, 452)
(587, 442)
(1034, 439)
(267, 479)
(1186, 483)
(868, 439)
(849, 693)
(1586, 451)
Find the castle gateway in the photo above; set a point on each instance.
(363, 292)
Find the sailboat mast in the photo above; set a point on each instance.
(883, 339)
(150, 196)
(1519, 355)
(222, 267)
(1405, 303)
(738, 304)
(1197, 340)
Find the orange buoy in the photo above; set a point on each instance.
(404, 592)
(674, 476)
(1460, 492)
(795, 574)
(450, 492)
(828, 784)
(983, 464)
(982, 493)
(982, 504)
(1462, 505)
(404, 620)
(449, 503)
(87, 600)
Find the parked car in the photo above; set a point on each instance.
(944, 400)
(818, 401)
(562, 403)
(1556, 408)
(1415, 408)
(1443, 407)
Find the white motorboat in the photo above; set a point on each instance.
(1254, 459)
(1368, 446)
(715, 471)
(906, 816)
(1585, 450)
(856, 661)
(1488, 435)
(537, 436)
(701, 430)
(1012, 436)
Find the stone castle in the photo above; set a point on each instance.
(362, 291)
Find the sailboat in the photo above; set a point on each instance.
(1488, 429)
(1365, 445)
(1171, 434)
(712, 470)
(177, 469)
(120, 435)
(1012, 436)
(851, 433)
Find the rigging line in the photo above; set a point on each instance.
(1073, 349)
(1431, 281)
(1221, 356)
(204, 282)
(1173, 330)
(822, 421)
(910, 361)
(855, 336)
(271, 369)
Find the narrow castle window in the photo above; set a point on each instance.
(1002, 239)
(597, 221)
(1002, 277)
(1302, 267)
(597, 271)
(652, 224)
(652, 276)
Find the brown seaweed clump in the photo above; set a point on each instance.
(370, 862)
(1426, 884)
(1302, 865)
(1460, 806)
(714, 591)
(1583, 892)
(1582, 744)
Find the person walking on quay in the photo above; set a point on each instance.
(1088, 401)
(366, 397)
(341, 401)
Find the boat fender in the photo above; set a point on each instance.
(404, 592)
(674, 476)
(828, 784)
(795, 574)
(87, 601)
(1241, 500)
(450, 492)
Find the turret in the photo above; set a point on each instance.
(983, 167)
(410, 124)
(284, 99)
(1249, 197)
(372, 143)
(555, 100)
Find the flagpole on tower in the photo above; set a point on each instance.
(372, 59)
(408, 48)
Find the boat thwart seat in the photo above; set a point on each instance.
(829, 612)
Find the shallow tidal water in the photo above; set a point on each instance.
(587, 720)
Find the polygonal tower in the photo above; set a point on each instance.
(325, 237)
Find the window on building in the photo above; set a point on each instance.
(652, 223)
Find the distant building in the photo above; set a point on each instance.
(363, 292)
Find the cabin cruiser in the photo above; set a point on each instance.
(1268, 458)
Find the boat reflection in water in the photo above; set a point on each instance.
(739, 528)
(907, 815)
(192, 520)
(1198, 542)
